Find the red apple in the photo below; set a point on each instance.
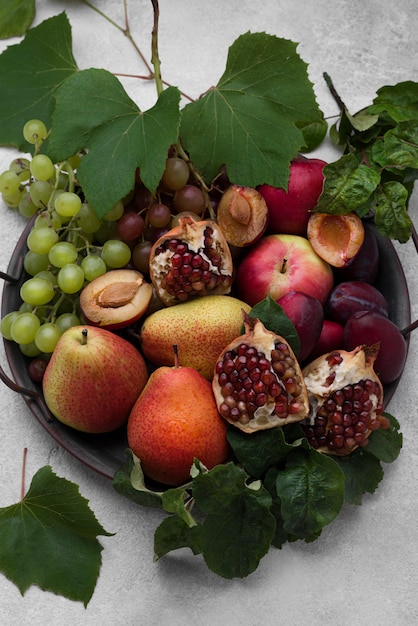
(277, 264)
(307, 315)
(289, 210)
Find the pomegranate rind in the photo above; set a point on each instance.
(191, 233)
(336, 238)
(242, 215)
(265, 416)
(116, 299)
(335, 371)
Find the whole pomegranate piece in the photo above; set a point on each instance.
(346, 399)
(258, 383)
(191, 260)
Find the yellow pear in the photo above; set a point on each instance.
(201, 328)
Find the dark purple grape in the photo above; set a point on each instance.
(354, 295)
(130, 226)
(366, 327)
(189, 198)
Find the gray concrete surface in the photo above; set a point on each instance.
(362, 571)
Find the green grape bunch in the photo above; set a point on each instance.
(62, 253)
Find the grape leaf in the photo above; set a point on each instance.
(129, 481)
(272, 316)
(29, 74)
(94, 111)
(311, 489)
(238, 528)
(174, 533)
(252, 120)
(362, 472)
(15, 17)
(49, 539)
(260, 450)
(386, 443)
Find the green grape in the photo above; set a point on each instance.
(25, 307)
(67, 204)
(67, 320)
(22, 168)
(74, 161)
(47, 275)
(93, 266)
(37, 291)
(116, 253)
(70, 278)
(26, 206)
(47, 336)
(62, 182)
(7, 322)
(41, 240)
(34, 263)
(48, 218)
(62, 253)
(12, 199)
(9, 182)
(34, 130)
(41, 167)
(29, 349)
(115, 212)
(24, 327)
(87, 219)
(40, 192)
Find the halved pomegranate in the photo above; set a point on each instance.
(191, 260)
(257, 382)
(346, 400)
(115, 299)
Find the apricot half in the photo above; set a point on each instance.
(336, 238)
(242, 215)
(115, 299)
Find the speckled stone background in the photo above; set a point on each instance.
(363, 570)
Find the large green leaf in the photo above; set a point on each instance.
(93, 111)
(15, 17)
(29, 74)
(253, 119)
(311, 489)
(49, 539)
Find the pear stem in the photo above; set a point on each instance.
(22, 484)
(176, 356)
(84, 334)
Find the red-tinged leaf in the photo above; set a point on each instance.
(49, 539)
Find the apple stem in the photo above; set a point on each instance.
(283, 268)
(176, 356)
(22, 484)
(84, 334)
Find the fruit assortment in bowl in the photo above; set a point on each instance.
(220, 335)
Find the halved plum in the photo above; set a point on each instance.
(115, 299)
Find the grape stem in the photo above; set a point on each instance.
(22, 483)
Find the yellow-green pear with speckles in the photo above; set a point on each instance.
(201, 329)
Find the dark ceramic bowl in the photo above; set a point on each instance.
(106, 453)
